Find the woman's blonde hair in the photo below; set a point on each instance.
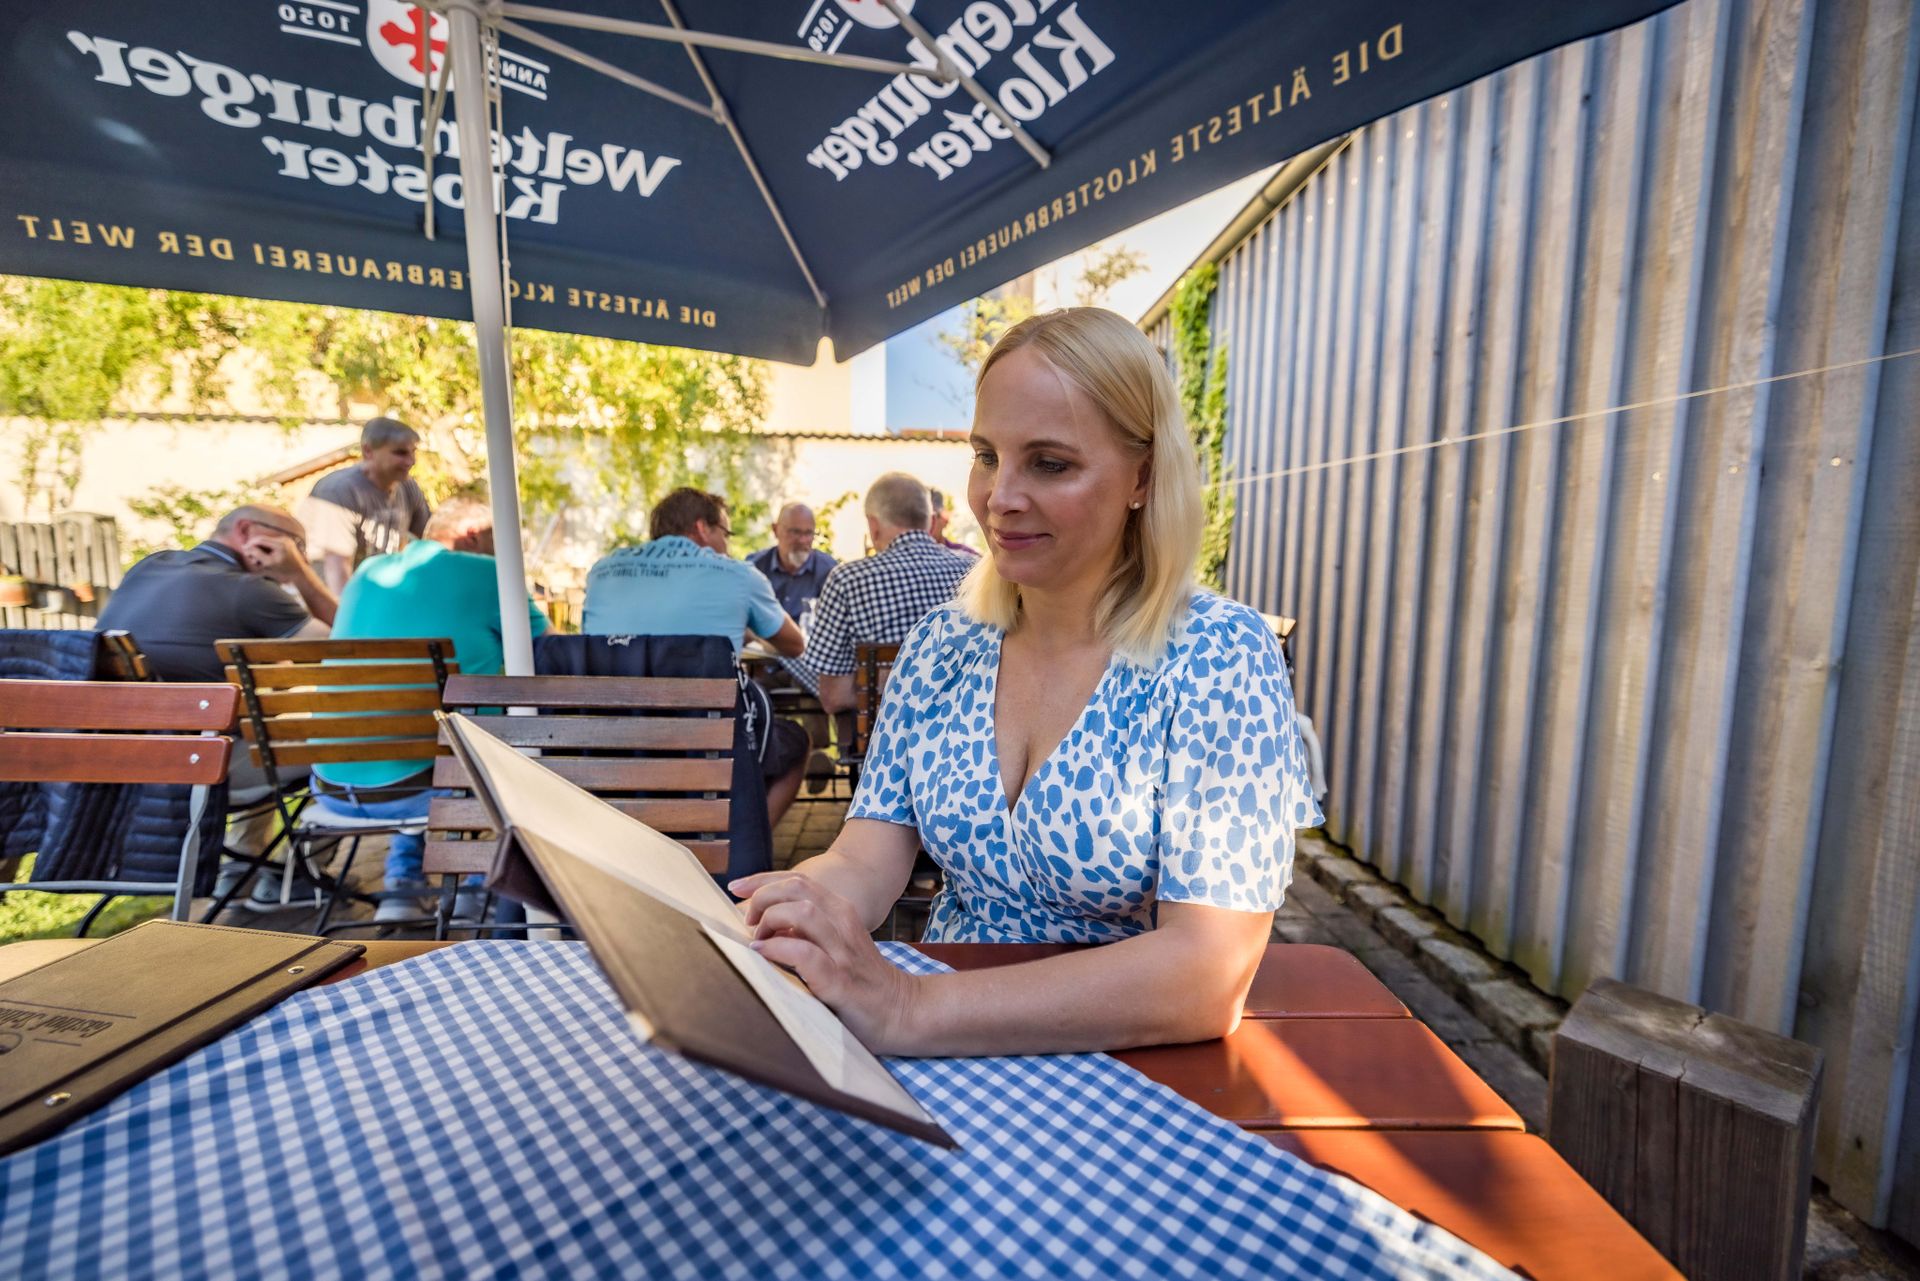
(1118, 369)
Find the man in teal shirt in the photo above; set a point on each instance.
(442, 584)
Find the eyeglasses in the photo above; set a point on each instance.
(298, 540)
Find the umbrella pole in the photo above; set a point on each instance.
(488, 294)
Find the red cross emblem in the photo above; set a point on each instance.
(417, 35)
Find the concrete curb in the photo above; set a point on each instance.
(1499, 995)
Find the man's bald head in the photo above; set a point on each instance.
(793, 531)
(233, 527)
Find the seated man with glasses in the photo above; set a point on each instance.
(794, 567)
(683, 583)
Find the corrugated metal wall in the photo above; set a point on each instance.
(1574, 415)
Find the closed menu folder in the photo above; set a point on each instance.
(78, 1031)
(672, 944)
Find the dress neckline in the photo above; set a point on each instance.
(1010, 805)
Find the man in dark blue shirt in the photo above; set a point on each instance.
(794, 568)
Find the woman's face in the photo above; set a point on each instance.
(1052, 478)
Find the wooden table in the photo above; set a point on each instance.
(1326, 1068)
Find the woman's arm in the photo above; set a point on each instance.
(867, 865)
(1185, 980)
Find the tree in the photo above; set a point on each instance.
(1106, 268)
(602, 427)
(982, 321)
(69, 351)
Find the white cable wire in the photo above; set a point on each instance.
(1656, 403)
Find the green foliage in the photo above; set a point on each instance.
(190, 512)
(1203, 397)
(1106, 269)
(823, 522)
(602, 427)
(981, 323)
(30, 914)
(67, 350)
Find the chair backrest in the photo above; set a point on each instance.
(316, 702)
(872, 665)
(114, 732)
(122, 659)
(1283, 628)
(657, 748)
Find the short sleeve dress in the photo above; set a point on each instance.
(1181, 783)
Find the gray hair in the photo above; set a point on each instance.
(458, 516)
(260, 513)
(901, 501)
(381, 432)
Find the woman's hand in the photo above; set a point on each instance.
(801, 924)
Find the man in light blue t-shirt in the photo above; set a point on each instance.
(441, 584)
(683, 583)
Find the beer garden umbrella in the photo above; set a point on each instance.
(735, 175)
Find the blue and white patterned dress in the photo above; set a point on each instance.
(1179, 784)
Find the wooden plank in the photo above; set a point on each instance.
(376, 749)
(317, 675)
(661, 815)
(650, 693)
(601, 774)
(1371, 1073)
(1508, 1195)
(658, 733)
(113, 758)
(390, 725)
(116, 705)
(316, 651)
(443, 857)
(1696, 1127)
(336, 702)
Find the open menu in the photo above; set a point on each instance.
(672, 944)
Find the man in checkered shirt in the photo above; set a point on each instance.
(878, 598)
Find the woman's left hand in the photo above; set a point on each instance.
(816, 933)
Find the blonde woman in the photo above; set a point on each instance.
(1092, 749)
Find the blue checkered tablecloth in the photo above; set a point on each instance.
(485, 1111)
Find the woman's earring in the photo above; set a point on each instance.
(1135, 506)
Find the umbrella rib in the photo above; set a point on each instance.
(746, 154)
(736, 44)
(592, 63)
(967, 82)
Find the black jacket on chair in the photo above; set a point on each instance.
(96, 831)
(750, 847)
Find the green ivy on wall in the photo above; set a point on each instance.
(1202, 370)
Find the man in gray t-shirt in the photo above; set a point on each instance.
(369, 509)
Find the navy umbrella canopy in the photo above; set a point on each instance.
(736, 175)
(275, 147)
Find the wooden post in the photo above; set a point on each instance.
(1697, 1127)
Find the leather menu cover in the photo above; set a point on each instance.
(80, 1030)
(673, 945)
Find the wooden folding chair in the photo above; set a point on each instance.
(319, 702)
(657, 748)
(872, 666)
(122, 659)
(114, 732)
